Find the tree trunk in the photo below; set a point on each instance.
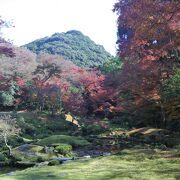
(163, 115)
(9, 147)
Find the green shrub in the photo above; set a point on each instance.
(18, 157)
(41, 159)
(2, 157)
(63, 149)
(58, 126)
(54, 163)
(172, 142)
(92, 129)
(177, 146)
(32, 125)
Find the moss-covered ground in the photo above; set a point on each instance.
(138, 161)
(140, 164)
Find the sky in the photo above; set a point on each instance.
(34, 19)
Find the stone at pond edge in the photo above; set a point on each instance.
(45, 163)
(107, 154)
(25, 164)
(10, 174)
(62, 174)
(88, 156)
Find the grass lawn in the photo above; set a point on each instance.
(139, 164)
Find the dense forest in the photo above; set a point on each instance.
(72, 45)
(66, 93)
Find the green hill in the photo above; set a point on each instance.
(72, 45)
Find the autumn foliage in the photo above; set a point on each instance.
(147, 29)
(148, 40)
(143, 79)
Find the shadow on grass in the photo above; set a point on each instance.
(37, 176)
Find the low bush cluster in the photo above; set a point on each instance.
(63, 149)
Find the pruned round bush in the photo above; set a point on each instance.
(63, 149)
(74, 141)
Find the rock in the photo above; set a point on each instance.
(88, 156)
(107, 154)
(42, 164)
(92, 153)
(46, 149)
(51, 175)
(62, 159)
(10, 174)
(24, 147)
(25, 164)
(35, 178)
(62, 174)
(2, 164)
(65, 162)
(29, 149)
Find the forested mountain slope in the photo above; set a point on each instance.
(72, 45)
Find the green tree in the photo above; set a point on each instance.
(171, 87)
(7, 97)
(111, 65)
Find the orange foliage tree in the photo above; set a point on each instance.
(148, 41)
